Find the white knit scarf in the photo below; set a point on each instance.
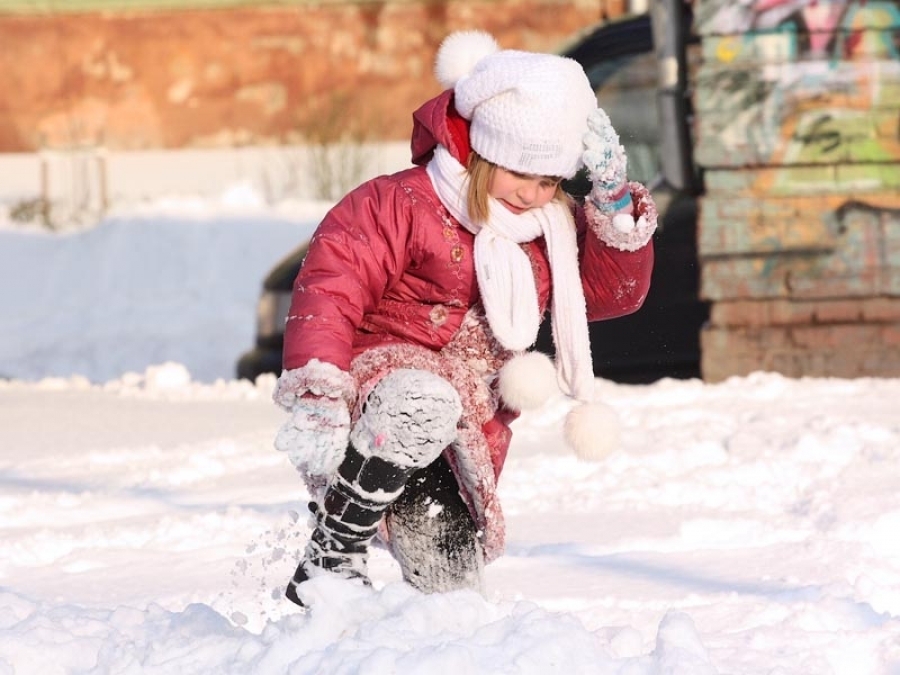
(506, 279)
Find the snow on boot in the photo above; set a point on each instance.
(433, 536)
(409, 417)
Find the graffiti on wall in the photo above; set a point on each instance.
(848, 249)
(799, 82)
(825, 27)
(798, 127)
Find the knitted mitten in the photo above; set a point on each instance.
(610, 206)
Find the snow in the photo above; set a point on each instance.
(148, 525)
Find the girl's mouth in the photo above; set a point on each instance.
(518, 210)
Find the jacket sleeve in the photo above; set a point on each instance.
(358, 250)
(615, 266)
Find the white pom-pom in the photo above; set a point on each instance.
(528, 381)
(458, 54)
(593, 431)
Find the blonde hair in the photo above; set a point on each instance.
(480, 171)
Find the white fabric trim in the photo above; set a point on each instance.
(613, 234)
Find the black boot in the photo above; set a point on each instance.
(347, 518)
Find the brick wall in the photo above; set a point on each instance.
(798, 129)
(245, 75)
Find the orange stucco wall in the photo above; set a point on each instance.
(213, 78)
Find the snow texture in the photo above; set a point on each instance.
(747, 527)
(315, 437)
(408, 418)
(604, 157)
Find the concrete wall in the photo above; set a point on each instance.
(798, 128)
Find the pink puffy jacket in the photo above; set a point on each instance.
(389, 281)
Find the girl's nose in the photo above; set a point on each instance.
(527, 193)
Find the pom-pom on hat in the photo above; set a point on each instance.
(528, 111)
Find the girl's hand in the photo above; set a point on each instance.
(318, 397)
(604, 158)
(316, 436)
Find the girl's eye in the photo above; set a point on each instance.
(549, 183)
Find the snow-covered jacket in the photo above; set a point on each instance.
(389, 282)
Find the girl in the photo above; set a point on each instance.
(406, 346)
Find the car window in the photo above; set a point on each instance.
(626, 90)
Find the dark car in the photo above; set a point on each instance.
(662, 339)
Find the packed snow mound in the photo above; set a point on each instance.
(393, 630)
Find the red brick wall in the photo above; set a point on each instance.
(208, 78)
(822, 338)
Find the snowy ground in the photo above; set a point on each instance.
(748, 527)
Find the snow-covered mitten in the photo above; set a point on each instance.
(609, 205)
(604, 158)
(317, 396)
(316, 436)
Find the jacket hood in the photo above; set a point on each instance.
(437, 122)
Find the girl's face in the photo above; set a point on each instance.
(520, 192)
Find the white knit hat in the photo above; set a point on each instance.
(528, 111)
